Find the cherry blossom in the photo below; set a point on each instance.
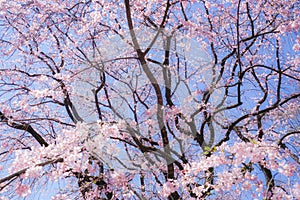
(159, 99)
(23, 190)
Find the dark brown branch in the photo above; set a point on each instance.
(24, 127)
(20, 172)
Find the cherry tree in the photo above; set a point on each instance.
(159, 99)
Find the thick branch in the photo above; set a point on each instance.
(24, 127)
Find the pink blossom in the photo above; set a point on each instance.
(34, 172)
(296, 191)
(247, 185)
(168, 188)
(203, 92)
(23, 190)
(60, 197)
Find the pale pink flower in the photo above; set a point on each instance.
(247, 185)
(168, 188)
(23, 190)
(34, 172)
(60, 197)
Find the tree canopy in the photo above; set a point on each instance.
(158, 99)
